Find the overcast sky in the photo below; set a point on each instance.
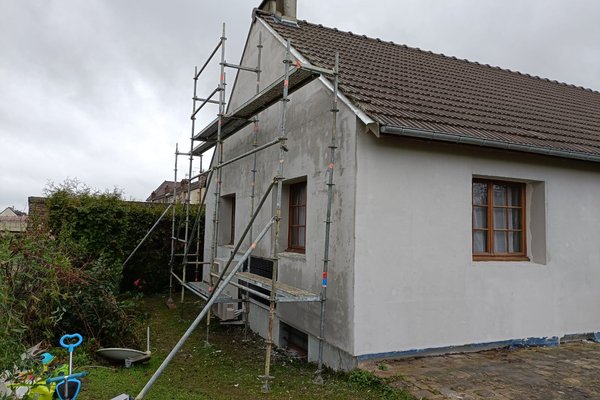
(100, 90)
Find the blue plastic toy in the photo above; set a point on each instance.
(69, 386)
(46, 358)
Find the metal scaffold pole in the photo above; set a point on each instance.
(266, 387)
(146, 236)
(196, 227)
(219, 150)
(227, 123)
(203, 313)
(330, 184)
(255, 130)
(188, 191)
(197, 272)
(250, 285)
(173, 233)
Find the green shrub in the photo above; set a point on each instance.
(103, 225)
(12, 327)
(48, 291)
(366, 380)
(70, 277)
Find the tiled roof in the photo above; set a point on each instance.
(19, 213)
(405, 87)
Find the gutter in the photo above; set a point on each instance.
(496, 144)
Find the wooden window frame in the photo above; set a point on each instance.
(489, 254)
(293, 247)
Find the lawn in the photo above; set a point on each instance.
(227, 369)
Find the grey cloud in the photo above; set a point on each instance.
(101, 89)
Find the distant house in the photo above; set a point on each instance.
(466, 209)
(164, 192)
(12, 220)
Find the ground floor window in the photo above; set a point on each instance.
(498, 227)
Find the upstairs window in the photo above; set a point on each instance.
(498, 220)
(297, 217)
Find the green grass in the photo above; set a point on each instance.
(227, 369)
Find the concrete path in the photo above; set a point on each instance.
(570, 371)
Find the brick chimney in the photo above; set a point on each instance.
(284, 9)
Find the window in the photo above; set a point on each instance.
(232, 221)
(498, 220)
(293, 340)
(227, 218)
(297, 217)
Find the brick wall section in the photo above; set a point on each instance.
(38, 213)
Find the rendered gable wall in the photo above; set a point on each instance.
(7, 212)
(309, 127)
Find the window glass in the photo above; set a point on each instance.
(480, 191)
(500, 245)
(479, 217)
(514, 242)
(479, 241)
(499, 218)
(514, 196)
(514, 218)
(297, 217)
(499, 195)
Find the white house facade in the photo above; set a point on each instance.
(458, 222)
(417, 285)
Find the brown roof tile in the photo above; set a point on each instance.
(406, 87)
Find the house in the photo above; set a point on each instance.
(466, 208)
(13, 220)
(164, 192)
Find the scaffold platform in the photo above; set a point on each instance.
(242, 116)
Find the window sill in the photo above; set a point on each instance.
(295, 251)
(293, 255)
(500, 258)
(512, 266)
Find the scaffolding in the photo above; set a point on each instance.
(295, 76)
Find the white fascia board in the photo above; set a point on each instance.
(368, 121)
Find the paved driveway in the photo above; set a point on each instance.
(569, 371)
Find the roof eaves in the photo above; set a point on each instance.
(366, 119)
(496, 144)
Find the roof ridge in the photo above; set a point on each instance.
(495, 67)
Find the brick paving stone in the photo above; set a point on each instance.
(424, 394)
(485, 393)
(570, 371)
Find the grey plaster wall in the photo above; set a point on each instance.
(309, 127)
(417, 286)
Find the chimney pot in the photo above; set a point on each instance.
(285, 9)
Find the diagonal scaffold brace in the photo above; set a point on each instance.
(204, 311)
